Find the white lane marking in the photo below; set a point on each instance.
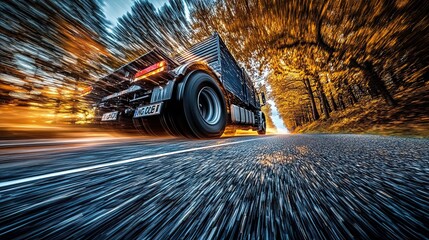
(76, 170)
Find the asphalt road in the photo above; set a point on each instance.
(273, 187)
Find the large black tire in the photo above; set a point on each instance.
(204, 108)
(139, 126)
(172, 120)
(150, 126)
(263, 131)
(160, 125)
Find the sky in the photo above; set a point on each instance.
(116, 8)
(276, 118)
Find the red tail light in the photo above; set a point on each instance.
(156, 68)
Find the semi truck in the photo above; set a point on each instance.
(200, 93)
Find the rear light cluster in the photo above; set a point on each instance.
(149, 71)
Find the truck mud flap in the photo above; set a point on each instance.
(150, 125)
(163, 124)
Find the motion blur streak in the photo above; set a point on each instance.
(352, 187)
(55, 141)
(30, 179)
(325, 66)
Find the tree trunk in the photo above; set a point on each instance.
(314, 111)
(304, 114)
(325, 98)
(361, 91)
(341, 102)
(322, 96)
(352, 95)
(376, 82)
(309, 119)
(395, 80)
(334, 105)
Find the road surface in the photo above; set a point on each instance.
(272, 187)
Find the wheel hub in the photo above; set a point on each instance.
(209, 105)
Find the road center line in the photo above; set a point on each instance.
(76, 170)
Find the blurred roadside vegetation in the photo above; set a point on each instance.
(54, 51)
(331, 66)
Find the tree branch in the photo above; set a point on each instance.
(320, 41)
(296, 44)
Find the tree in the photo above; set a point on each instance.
(321, 38)
(54, 50)
(146, 27)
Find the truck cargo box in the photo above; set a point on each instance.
(213, 51)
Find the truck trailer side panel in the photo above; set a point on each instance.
(215, 53)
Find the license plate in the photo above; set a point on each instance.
(148, 110)
(110, 116)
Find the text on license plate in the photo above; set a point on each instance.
(148, 110)
(110, 116)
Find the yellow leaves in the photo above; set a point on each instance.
(401, 3)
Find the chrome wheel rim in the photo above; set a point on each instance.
(209, 105)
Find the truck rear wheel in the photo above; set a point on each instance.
(204, 106)
(263, 129)
(149, 126)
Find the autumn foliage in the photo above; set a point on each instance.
(329, 61)
(336, 65)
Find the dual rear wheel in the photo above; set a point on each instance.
(203, 107)
(199, 113)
